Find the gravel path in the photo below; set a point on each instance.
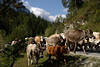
(92, 54)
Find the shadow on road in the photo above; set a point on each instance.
(72, 61)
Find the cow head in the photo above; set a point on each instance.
(62, 40)
(41, 38)
(63, 35)
(89, 34)
(65, 50)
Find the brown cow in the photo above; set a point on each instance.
(57, 51)
(78, 36)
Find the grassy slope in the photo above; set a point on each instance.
(72, 60)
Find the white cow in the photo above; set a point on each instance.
(33, 52)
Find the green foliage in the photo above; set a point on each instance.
(89, 12)
(11, 53)
(73, 5)
(50, 30)
(20, 24)
(54, 28)
(2, 38)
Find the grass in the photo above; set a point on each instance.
(4, 61)
(22, 61)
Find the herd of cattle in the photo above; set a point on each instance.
(59, 44)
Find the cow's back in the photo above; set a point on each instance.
(51, 50)
(30, 47)
(54, 39)
(74, 35)
(54, 35)
(56, 50)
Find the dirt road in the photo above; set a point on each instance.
(92, 54)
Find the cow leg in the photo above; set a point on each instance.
(36, 61)
(31, 61)
(28, 62)
(64, 60)
(75, 47)
(58, 60)
(49, 55)
(68, 45)
(83, 47)
(41, 53)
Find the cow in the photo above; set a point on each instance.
(14, 42)
(40, 41)
(54, 39)
(95, 43)
(78, 37)
(33, 52)
(57, 51)
(97, 35)
(29, 40)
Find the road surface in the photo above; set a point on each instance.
(92, 54)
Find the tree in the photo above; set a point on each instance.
(72, 5)
(84, 12)
(7, 5)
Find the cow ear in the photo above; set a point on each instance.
(90, 31)
(85, 31)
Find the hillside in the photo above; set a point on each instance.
(17, 22)
(83, 14)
